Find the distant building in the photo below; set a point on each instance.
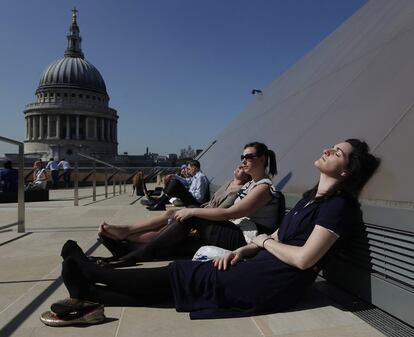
(71, 112)
(172, 156)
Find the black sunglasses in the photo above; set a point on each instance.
(248, 156)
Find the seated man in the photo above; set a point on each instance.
(196, 194)
(53, 167)
(8, 177)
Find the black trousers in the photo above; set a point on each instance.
(174, 240)
(176, 189)
(117, 287)
(55, 177)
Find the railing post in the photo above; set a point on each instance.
(94, 181)
(124, 185)
(20, 193)
(113, 185)
(106, 183)
(120, 185)
(76, 183)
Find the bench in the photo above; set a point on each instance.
(29, 196)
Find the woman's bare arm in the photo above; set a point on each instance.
(254, 200)
(303, 257)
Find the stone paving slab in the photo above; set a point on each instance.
(30, 281)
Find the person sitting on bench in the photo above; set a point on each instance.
(39, 178)
(8, 177)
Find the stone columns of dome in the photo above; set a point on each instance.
(48, 127)
(108, 130)
(95, 131)
(28, 133)
(116, 132)
(113, 131)
(87, 128)
(77, 127)
(67, 127)
(34, 127)
(102, 129)
(27, 128)
(58, 127)
(40, 127)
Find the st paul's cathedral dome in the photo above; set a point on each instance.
(71, 112)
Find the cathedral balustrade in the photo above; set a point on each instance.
(70, 105)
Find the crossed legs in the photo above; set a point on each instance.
(115, 287)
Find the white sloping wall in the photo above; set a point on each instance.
(357, 83)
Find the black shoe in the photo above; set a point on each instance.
(156, 207)
(69, 247)
(101, 261)
(146, 202)
(71, 305)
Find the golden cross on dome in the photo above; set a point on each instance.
(74, 12)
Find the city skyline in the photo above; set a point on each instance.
(176, 71)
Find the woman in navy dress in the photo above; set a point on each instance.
(269, 274)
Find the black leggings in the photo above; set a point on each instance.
(174, 241)
(115, 287)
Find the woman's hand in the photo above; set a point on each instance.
(183, 214)
(258, 240)
(223, 262)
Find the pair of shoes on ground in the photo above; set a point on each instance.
(71, 311)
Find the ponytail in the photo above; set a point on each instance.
(272, 162)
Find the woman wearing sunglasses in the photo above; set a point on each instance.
(257, 209)
(269, 274)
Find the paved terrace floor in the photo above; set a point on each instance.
(30, 281)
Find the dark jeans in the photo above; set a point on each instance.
(66, 177)
(176, 189)
(55, 177)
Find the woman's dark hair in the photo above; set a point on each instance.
(262, 150)
(361, 166)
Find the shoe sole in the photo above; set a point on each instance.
(49, 318)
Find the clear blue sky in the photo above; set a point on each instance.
(177, 71)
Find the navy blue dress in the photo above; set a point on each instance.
(262, 284)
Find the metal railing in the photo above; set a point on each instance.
(106, 179)
(20, 188)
